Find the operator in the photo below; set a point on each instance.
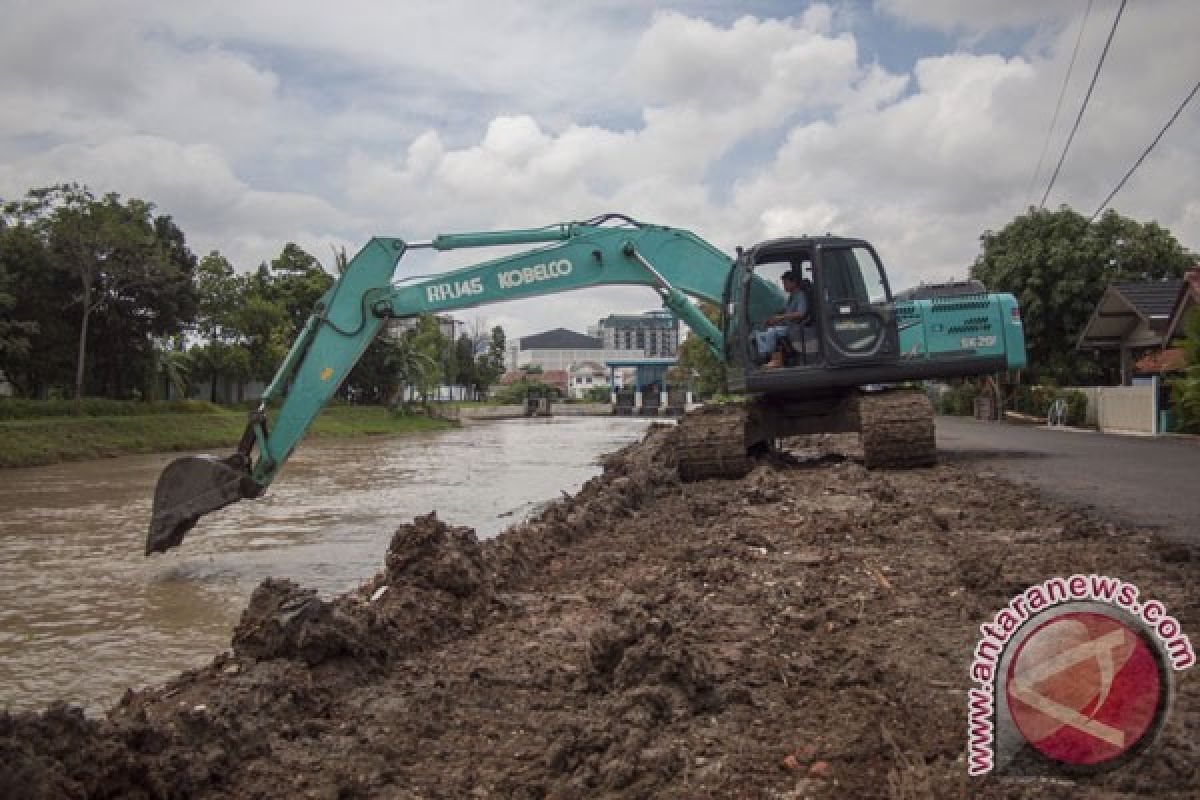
(794, 313)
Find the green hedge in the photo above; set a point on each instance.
(1034, 400)
(17, 408)
(1037, 400)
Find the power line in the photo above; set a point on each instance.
(1057, 106)
(1083, 107)
(1146, 152)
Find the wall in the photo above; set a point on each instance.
(1121, 408)
(1125, 408)
(565, 359)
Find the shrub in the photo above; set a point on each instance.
(959, 400)
(1076, 407)
(1185, 395)
(19, 408)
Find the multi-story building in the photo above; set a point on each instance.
(655, 333)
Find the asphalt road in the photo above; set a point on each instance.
(1144, 480)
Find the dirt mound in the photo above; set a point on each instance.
(802, 632)
(435, 586)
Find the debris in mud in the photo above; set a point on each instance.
(285, 621)
(804, 631)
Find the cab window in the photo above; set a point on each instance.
(852, 273)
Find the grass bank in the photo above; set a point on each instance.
(49, 440)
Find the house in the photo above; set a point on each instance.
(588, 375)
(558, 349)
(1140, 320)
(554, 378)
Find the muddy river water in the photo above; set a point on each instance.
(83, 614)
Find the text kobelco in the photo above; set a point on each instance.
(508, 279)
(511, 279)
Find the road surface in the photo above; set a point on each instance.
(1144, 480)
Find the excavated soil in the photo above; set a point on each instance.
(805, 631)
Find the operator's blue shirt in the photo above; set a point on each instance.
(768, 341)
(797, 302)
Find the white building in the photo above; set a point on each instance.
(588, 375)
(561, 349)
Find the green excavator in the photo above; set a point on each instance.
(843, 371)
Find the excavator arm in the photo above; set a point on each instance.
(606, 251)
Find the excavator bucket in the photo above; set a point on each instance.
(188, 489)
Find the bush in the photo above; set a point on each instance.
(1037, 400)
(515, 393)
(597, 395)
(959, 400)
(18, 408)
(1185, 396)
(1076, 407)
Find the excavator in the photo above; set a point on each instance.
(848, 368)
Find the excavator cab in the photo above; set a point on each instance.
(851, 322)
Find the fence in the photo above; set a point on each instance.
(1122, 408)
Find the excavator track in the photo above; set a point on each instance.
(896, 427)
(711, 442)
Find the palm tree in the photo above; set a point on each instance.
(171, 368)
(412, 365)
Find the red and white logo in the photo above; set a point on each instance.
(1084, 688)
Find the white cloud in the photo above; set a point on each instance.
(328, 125)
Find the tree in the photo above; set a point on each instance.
(219, 295)
(37, 291)
(376, 376)
(172, 369)
(697, 360)
(217, 361)
(410, 362)
(428, 346)
(490, 365)
(296, 282)
(464, 358)
(1186, 390)
(130, 273)
(1058, 265)
(14, 332)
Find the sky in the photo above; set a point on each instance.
(916, 124)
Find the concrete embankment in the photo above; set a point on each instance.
(478, 413)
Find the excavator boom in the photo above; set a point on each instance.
(605, 251)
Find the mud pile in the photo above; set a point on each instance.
(803, 632)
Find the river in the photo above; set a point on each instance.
(84, 614)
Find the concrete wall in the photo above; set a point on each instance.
(581, 409)
(1121, 408)
(483, 412)
(1125, 408)
(517, 411)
